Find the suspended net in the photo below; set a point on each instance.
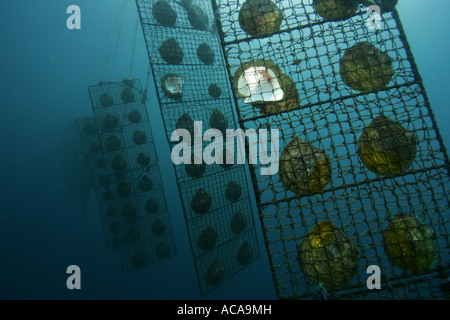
(192, 86)
(127, 180)
(363, 176)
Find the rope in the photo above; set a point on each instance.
(134, 47)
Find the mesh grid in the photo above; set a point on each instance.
(199, 104)
(130, 195)
(331, 116)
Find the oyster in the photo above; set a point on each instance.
(201, 202)
(164, 14)
(110, 122)
(171, 51)
(328, 257)
(304, 169)
(238, 223)
(143, 159)
(106, 100)
(145, 184)
(205, 54)
(196, 16)
(260, 18)
(118, 164)
(194, 170)
(215, 272)
(335, 10)
(387, 148)
(233, 191)
(112, 143)
(172, 85)
(262, 84)
(218, 121)
(152, 206)
(409, 243)
(214, 91)
(127, 95)
(134, 116)
(366, 68)
(139, 137)
(158, 227)
(207, 239)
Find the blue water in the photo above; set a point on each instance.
(45, 72)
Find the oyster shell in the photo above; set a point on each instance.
(387, 148)
(164, 14)
(215, 272)
(366, 68)
(201, 202)
(238, 223)
(304, 169)
(171, 51)
(328, 257)
(205, 54)
(335, 10)
(262, 84)
(218, 121)
(106, 100)
(260, 18)
(409, 243)
(207, 239)
(127, 95)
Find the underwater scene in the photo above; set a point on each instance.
(224, 150)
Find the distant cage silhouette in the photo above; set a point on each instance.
(126, 175)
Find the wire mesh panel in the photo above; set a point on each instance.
(363, 176)
(130, 193)
(192, 86)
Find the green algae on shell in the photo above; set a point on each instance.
(304, 169)
(328, 257)
(409, 243)
(386, 147)
(366, 68)
(335, 10)
(233, 191)
(260, 18)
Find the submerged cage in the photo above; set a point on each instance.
(315, 71)
(128, 181)
(192, 85)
